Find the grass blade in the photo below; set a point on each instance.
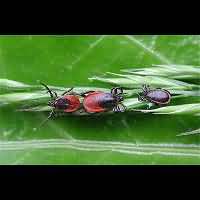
(172, 71)
(136, 81)
(176, 109)
(194, 132)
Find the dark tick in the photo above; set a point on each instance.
(157, 96)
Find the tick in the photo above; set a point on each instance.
(67, 103)
(157, 96)
(97, 101)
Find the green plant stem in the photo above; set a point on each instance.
(176, 109)
(136, 81)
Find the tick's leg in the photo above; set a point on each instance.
(55, 94)
(83, 94)
(119, 109)
(67, 91)
(141, 98)
(112, 91)
(52, 113)
(115, 90)
(48, 90)
(115, 109)
(123, 108)
(146, 88)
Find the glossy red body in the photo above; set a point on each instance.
(74, 103)
(92, 101)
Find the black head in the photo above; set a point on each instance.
(55, 102)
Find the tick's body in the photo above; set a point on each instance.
(67, 103)
(158, 96)
(97, 101)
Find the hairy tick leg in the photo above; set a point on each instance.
(67, 91)
(83, 94)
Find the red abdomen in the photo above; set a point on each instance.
(74, 103)
(92, 102)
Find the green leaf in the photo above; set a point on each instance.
(68, 61)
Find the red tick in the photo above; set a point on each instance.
(97, 101)
(67, 103)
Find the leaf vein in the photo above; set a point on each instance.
(154, 53)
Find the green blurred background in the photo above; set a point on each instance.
(69, 61)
